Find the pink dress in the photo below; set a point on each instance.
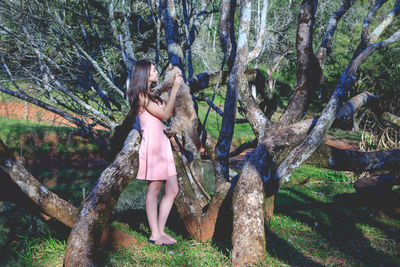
(156, 161)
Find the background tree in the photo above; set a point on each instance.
(73, 58)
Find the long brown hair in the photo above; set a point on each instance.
(138, 84)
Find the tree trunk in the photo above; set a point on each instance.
(43, 200)
(269, 208)
(21, 188)
(248, 236)
(99, 204)
(197, 213)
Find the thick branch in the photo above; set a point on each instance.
(347, 160)
(326, 44)
(99, 204)
(386, 22)
(347, 111)
(261, 32)
(128, 46)
(365, 35)
(46, 201)
(175, 53)
(308, 69)
(391, 118)
(298, 155)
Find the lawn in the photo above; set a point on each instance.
(320, 222)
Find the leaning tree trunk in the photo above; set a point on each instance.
(198, 211)
(195, 207)
(21, 188)
(42, 200)
(99, 204)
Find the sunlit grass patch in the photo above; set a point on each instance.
(43, 252)
(183, 253)
(242, 131)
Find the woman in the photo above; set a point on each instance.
(156, 162)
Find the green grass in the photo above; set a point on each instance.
(242, 131)
(29, 138)
(50, 252)
(317, 222)
(42, 252)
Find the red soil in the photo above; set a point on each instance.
(28, 111)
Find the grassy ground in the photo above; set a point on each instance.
(319, 221)
(29, 138)
(242, 133)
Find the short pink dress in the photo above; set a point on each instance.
(156, 161)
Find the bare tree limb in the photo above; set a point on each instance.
(261, 32)
(365, 35)
(346, 113)
(386, 22)
(248, 196)
(99, 204)
(298, 155)
(391, 118)
(307, 74)
(48, 202)
(347, 160)
(175, 53)
(326, 45)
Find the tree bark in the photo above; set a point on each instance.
(248, 238)
(330, 157)
(308, 69)
(44, 201)
(199, 218)
(344, 118)
(99, 204)
(393, 119)
(21, 188)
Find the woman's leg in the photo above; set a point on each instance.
(171, 190)
(153, 189)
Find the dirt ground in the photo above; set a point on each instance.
(28, 111)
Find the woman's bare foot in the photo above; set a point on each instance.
(160, 240)
(170, 238)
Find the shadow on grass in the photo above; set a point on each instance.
(281, 249)
(338, 221)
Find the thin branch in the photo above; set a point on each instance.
(326, 45)
(216, 108)
(261, 32)
(250, 144)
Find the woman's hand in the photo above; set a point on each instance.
(177, 83)
(166, 111)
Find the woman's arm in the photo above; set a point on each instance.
(160, 112)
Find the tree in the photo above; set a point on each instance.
(77, 77)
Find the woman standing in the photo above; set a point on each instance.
(156, 162)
